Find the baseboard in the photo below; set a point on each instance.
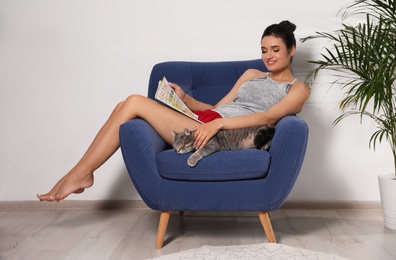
(74, 205)
(332, 205)
(139, 205)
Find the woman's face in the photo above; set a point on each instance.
(275, 54)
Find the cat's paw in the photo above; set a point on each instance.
(191, 162)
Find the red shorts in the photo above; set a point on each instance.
(207, 115)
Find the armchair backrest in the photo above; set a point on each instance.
(205, 81)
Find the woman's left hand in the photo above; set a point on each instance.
(204, 132)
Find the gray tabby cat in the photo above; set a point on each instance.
(254, 137)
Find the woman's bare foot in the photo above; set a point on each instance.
(50, 196)
(68, 184)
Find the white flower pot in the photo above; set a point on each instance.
(387, 186)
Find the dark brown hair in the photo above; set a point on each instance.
(284, 30)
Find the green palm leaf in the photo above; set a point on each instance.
(364, 59)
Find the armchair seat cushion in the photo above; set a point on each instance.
(221, 166)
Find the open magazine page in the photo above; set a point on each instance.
(168, 96)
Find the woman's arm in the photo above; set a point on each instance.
(190, 102)
(293, 103)
(196, 105)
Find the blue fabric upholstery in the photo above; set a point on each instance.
(247, 180)
(268, 179)
(241, 165)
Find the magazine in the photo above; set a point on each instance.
(168, 96)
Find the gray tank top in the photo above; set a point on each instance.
(255, 95)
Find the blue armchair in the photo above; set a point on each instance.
(238, 180)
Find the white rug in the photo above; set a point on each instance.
(258, 251)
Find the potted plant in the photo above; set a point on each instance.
(363, 57)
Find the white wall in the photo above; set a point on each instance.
(65, 64)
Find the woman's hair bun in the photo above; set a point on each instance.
(289, 25)
(284, 30)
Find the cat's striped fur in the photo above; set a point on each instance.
(246, 138)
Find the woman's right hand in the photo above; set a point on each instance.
(179, 91)
(190, 102)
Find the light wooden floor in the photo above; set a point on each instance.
(129, 233)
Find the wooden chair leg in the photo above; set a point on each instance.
(266, 223)
(163, 224)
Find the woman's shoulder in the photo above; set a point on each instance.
(301, 87)
(253, 73)
(299, 84)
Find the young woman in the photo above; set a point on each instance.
(276, 94)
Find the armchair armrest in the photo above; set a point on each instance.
(287, 154)
(140, 144)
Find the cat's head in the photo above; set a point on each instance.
(183, 142)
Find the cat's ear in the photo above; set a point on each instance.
(173, 134)
(187, 132)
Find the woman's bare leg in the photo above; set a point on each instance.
(106, 142)
(50, 196)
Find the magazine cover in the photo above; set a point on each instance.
(168, 96)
